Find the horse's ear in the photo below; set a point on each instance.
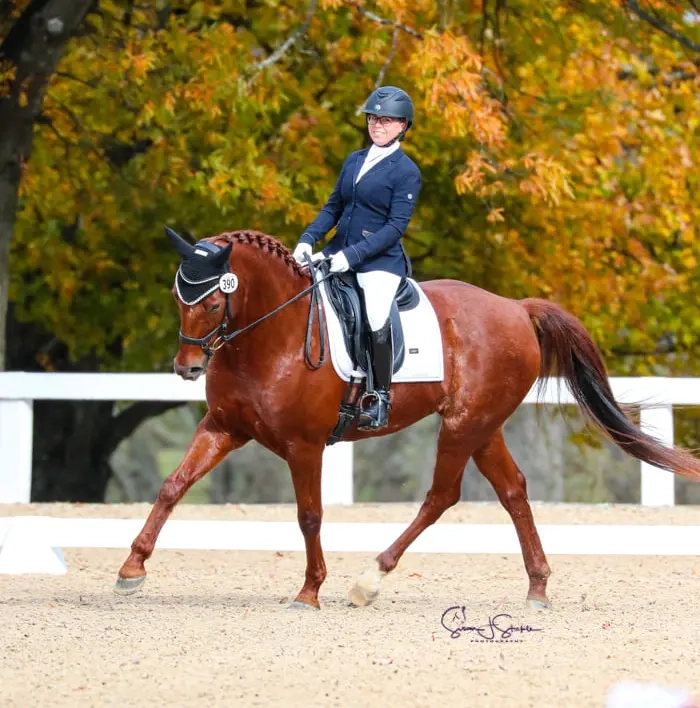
(223, 255)
(179, 243)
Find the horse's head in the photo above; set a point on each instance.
(203, 287)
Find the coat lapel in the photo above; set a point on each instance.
(359, 161)
(377, 167)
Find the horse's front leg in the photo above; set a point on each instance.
(208, 447)
(305, 465)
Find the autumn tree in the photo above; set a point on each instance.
(557, 142)
(33, 37)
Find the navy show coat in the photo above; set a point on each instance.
(371, 215)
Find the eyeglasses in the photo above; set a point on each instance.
(382, 120)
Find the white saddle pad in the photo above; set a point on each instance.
(422, 341)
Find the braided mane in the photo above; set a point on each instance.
(265, 243)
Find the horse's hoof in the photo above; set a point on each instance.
(128, 586)
(296, 605)
(366, 589)
(533, 603)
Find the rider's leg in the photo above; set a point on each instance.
(379, 289)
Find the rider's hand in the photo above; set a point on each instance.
(339, 263)
(300, 251)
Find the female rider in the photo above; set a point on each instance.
(371, 205)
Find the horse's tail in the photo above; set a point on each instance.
(567, 350)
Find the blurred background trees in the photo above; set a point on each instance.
(559, 147)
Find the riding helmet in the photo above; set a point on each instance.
(390, 101)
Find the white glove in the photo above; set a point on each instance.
(339, 263)
(300, 251)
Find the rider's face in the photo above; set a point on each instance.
(383, 129)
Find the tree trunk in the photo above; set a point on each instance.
(9, 185)
(73, 440)
(33, 47)
(68, 464)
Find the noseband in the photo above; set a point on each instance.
(216, 339)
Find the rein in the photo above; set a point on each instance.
(220, 334)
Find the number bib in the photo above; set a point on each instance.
(228, 283)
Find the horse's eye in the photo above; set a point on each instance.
(215, 308)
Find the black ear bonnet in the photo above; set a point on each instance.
(201, 269)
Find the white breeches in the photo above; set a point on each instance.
(379, 288)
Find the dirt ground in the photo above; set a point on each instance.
(212, 628)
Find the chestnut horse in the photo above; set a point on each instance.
(260, 386)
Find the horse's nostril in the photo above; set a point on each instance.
(189, 372)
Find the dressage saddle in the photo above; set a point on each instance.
(346, 298)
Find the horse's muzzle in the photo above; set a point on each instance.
(191, 372)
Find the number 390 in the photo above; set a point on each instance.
(228, 282)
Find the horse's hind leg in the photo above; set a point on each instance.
(453, 451)
(496, 464)
(208, 447)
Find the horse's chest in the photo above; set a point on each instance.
(249, 413)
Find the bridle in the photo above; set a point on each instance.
(220, 335)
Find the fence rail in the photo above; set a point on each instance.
(656, 397)
(34, 544)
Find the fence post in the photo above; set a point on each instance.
(16, 442)
(336, 478)
(658, 485)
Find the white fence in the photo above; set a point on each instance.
(33, 544)
(19, 390)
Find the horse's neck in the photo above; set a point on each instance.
(269, 283)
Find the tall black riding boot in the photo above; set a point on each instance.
(376, 414)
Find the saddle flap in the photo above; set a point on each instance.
(397, 339)
(342, 291)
